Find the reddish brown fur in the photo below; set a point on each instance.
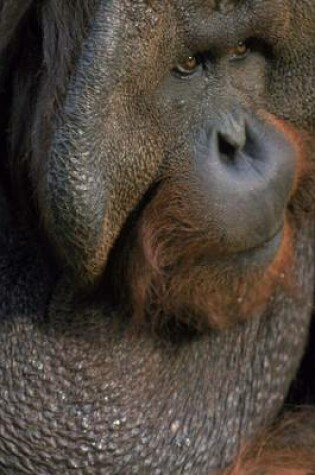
(288, 449)
(165, 269)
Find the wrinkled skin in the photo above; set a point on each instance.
(80, 390)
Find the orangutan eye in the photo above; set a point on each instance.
(188, 67)
(240, 51)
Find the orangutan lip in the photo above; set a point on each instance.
(274, 241)
(259, 256)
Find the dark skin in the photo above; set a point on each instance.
(156, 310)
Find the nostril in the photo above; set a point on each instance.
(226, 149)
